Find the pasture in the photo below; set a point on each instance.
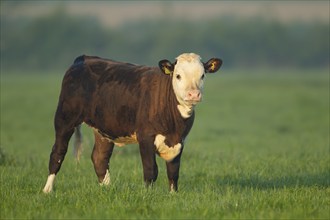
(259, 149)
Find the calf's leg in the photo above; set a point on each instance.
(101, 155)
(173, 168)
(63, 135)
(66, 119)
(148, 156)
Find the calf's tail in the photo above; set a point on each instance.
(77, 148)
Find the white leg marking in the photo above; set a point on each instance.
(166, 152)
(106, 180)
(49, 184)
(172, 188)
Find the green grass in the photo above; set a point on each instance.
(259, 149)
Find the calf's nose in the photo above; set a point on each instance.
(194, 95)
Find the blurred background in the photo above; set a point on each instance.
(46, 36)
(261, 135)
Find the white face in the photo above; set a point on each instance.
(188, 78)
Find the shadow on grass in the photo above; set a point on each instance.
(257, 182)
(6, 159)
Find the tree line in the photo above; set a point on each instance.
(51, 42)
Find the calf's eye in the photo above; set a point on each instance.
(178, 77)
(202, 76)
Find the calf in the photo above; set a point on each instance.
(126, 103)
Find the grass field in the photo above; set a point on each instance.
(259, 149)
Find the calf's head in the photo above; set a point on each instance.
(188, 73)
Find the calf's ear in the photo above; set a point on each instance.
(166, 66)
(212, 65)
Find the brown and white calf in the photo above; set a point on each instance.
(126, 103)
